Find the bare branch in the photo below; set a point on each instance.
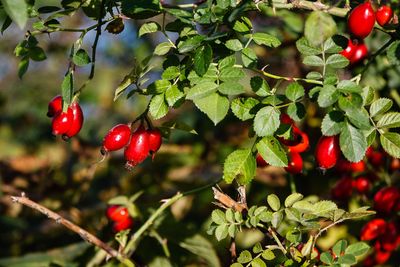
(70, 225)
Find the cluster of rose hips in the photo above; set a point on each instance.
(138, 144)
(297, 144)
(383, 231)
(360, 23)
(68, 123)
(120, 216)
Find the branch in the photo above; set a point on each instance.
(138, 235)
(70, 225)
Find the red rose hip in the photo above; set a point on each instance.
(360, 52)
(373, 229)
(117, 213)
(361, 20)
(362, 184)
(138, 148)
(383, 15)
(122, 225)
(260, 161)
(348, 52)
(77, 121)
(155, 140)
(116, 138)
(62, 122)
(295, 164)
(55, 106)
(327, 152)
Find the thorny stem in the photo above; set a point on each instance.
(293, 79)
(73, 227)
(278, 242)
(137, 236)
(323, 230)
(162, 241)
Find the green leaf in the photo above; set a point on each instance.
(173, 95)
(319, 27)
(163, 48)
(190, 44)
(293, 198)
(352, 143)
(231, 74)
(178, 125)
(17, 10)
(274, 202)
(347, 86)
(347, 259)
(202, 247)
(214, 106)
(149, 27)
(260, 86)
(258, 263)
(244, 107)
(240, 165)
(257, 248)
(218, 216)
(357, 249)
(231, 88)
(340, 247)
(332, 123)
(294, 91)
(221, 232)
(326, 258)
(337, 61)
(158, 87)
(37, 53)
(355, 113)
(211, 76)
(277, 218)
(236, 264)
(249, 58)
(244, 257)
(367, 95)
(314, 61)
(268, 255)
(391, 143)
(328, 96)
(234, 45)
(23, 66)
(393, 53)
(324, 207)
(67, 90)
(243, 25)
(261, 38)
(158, 108)
(296, 111)
(202, 90)
(171, 73)
(202, 59)
(6, 23)
(380, 106)
(331, 47)
(306, 49)
(226, 62)
(389, 120)
(81, 58)
(272, 151)
(266, 121)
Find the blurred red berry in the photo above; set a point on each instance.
(260, 161)
(386, 199)
(362, 184)
(123, 225)
(373, 229)
(117, 213)
(343, 188)
(295, 164)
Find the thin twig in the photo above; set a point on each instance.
(70, 225)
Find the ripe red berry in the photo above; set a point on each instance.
(381, 256)
(138, 148)
(117, 213)
(384, 15)
(376, 158)
(387, 199)
(285, 119)
(302, 145)
(343, 188)
(361, 20)
(155, 140)
(260, 161)
(77, 121)
(347, 166)
(373, 229)
(62, 122)
(389, 239)
(116, 138)
(123, 225)
(295, 164)
(362, 184)
(360, 52)
(55, 106)
(327, 152)
(395, 164)
(348, 52)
